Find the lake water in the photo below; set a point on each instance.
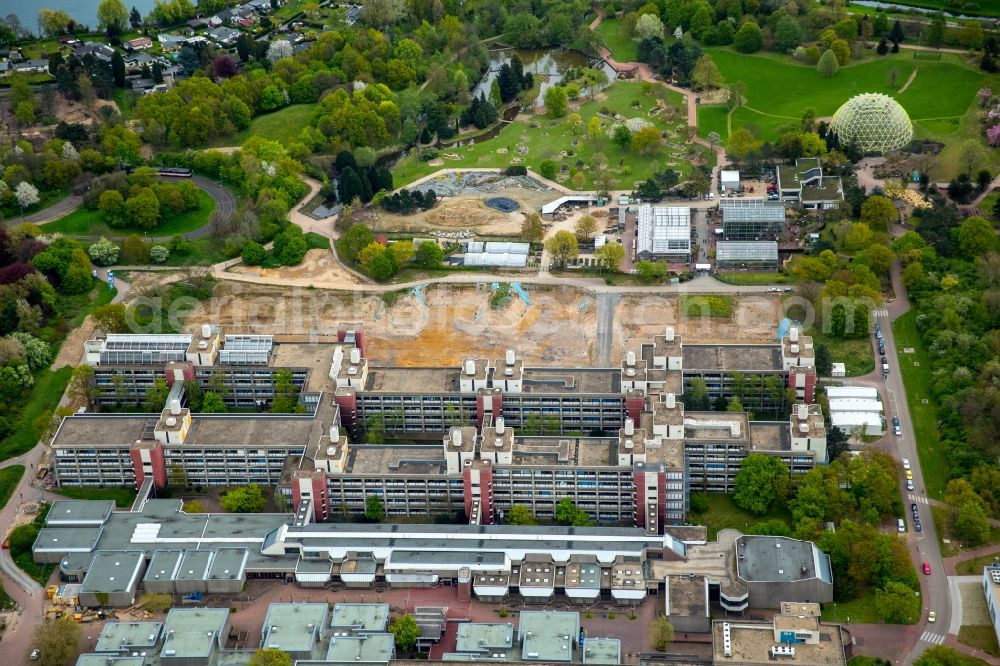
(905, 8)
(547, 66)
(83, 11)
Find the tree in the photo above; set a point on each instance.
(568, 513)
(156, 395)
(519, 514)
(374, 508)
(81, 385)
(532, 229)
(429, 255)
(878, 213)
(112, 14)
(135, 18)
(896, 603)
(611, 255)
(212, 403)
(705, 75)
(278, 50)
(976, 236)
(118, 69)
(243, 499)
(647, 140)
(824, 362)
(159, 254)
(563, 247)
(621, 137)
(748, 38)
(548, 169)
(103, 252)
(286, 394)
(742, 144)
(842, 50)
(661, 633)
(354, 240)
(53, 22)
(26, 194)
(406, 632)
(134, 250)
(828, 65)
(143, 209)
(585, 227)
(111, 318)
(270, 657)
(651, 271)
(648, 26)
(761, 481)
(883, 47)
(787, 34)
(555, 102)
(935, 31)
(971, 524)
(57, 641)
(290, 246)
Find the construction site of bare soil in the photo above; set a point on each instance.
(444, 324)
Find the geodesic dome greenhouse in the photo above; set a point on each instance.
(873, 122)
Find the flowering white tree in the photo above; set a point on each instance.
(27, 194)
(280, 48)
(69, 152)
(648, 26)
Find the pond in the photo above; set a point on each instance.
(547, 65)
(890, 6)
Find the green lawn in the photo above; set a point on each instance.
(917, 378)
(9, 478)
(856, 354)
(713, 118)
(707, 306)
(979, 637)
(622, 47)
(990, 202)
(722, 513)
(283, 125)
(85, 222)
(860, 610)
(974, 567)
(751, 279)
(778, 89)
(123, 497)
(545, 138)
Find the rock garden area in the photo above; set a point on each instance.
(568, 149)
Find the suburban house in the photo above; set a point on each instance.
(135, 62)
(138, 44)
(99, 51)
(224, 35)
(40, 66)
(171, 42)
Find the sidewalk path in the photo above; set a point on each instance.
(59, 209)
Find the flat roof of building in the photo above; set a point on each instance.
(237, 430)
(727, 358)
(583, 575)
(780, 559)
(122, 636)
(67, 539)
(163, 565)
(362, 617)
(293, 627)
(770, 436)
(113, 571)
(571, 380)
(475, 637)
(687, 595)
(108, 660)
(191, 632)
(751, 643)
(411, 380)
(733, 426)
(379, 459)
(367, 649)
(714, 559)
(602, 651)
(548, 635)
(228, 564)
(79, 512)
(993, 586)
(194, 565)
(575, 451)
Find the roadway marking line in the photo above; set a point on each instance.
(918, 500)
(933, 639)
(881, 312)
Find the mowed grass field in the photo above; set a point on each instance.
(622, 46)
(546, 137)
(283, 125)
(779, 90)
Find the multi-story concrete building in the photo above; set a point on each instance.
(991, 588)
(618, 442)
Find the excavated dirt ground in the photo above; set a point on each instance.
(318, 266)
(440, 325)
(467, 212)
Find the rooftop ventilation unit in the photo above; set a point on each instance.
(509, 357)
(206, 331)
(355, 356)
(470, 367)
(630, 358)
(171, 421)
(175, 406)
(500, 425)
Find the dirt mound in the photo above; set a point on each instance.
(318, 265)
(463, 213)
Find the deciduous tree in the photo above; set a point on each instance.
(761, 481)
(563, 247)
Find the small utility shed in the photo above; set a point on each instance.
(730, 180)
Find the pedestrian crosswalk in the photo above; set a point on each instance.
(933, 639)
(880, 312)
(918, 499)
